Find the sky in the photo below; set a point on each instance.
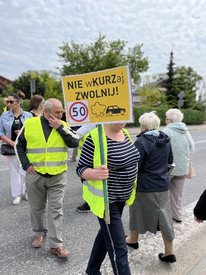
(31, 32)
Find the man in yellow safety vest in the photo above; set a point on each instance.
(42, 150)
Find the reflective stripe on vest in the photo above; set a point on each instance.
(49, 163)
(46, 150)
(93, 190)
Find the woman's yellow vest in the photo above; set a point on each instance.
(46, 156)
(93, 190)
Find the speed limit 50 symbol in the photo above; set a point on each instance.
(78, 111)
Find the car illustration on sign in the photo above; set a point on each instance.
(114, 109)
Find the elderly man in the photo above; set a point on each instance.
(42, 150)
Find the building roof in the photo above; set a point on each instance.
(4, 81)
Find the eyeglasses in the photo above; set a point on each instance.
(11, 101)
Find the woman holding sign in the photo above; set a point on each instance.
(120, 170)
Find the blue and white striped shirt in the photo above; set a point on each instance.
(122, 161)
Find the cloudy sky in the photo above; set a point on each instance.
(32, 31)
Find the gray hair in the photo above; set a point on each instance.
(174, 115)
(49, 103)
(150, 121)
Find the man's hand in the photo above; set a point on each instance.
(54, 122)
(31, 170)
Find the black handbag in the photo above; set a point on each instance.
(7, 150)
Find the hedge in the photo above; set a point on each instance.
(192, 117)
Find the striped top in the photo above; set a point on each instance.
(122, 164)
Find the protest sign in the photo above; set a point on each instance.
(98, 97)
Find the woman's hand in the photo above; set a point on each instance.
(12, 143)
(8, 140)
(98, 173)
(17, 132)
(102, 172)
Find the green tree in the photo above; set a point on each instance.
(46, 84)
(23, 83)
(181, 79)
(171, 93)
(186, 81)
(151, 96)
(52, 86)
(100, 55)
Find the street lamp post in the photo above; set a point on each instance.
(32, 87)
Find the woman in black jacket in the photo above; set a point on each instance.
(151, 210)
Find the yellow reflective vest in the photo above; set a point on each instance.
(46, 156)
(81, 143)
(93, 190)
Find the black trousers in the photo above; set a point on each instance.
(111, 239)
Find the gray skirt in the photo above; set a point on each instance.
(150, 211)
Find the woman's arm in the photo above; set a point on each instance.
(171, 157)
(141, 150)
(8, 140)
(191, 142)
(85, 168)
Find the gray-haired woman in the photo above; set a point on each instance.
(182, 147)
(151, 210)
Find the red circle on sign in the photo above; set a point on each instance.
(85, 107)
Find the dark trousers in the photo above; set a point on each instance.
(111, 239)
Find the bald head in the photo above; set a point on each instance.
(53, 106)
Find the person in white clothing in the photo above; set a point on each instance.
(10, 124)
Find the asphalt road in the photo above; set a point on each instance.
(17, 255)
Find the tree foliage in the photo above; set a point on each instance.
(100, 55)
(181, 79)
(46, 84)
(151, 95)
(171, 93)
(186, 80)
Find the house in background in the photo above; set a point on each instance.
(3, 83)
(159, 80)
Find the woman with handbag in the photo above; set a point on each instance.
(182, 147)
(10, 125)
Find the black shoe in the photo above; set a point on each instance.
(168, 259)
(133, 245)
(179, 221)
(84, 208)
